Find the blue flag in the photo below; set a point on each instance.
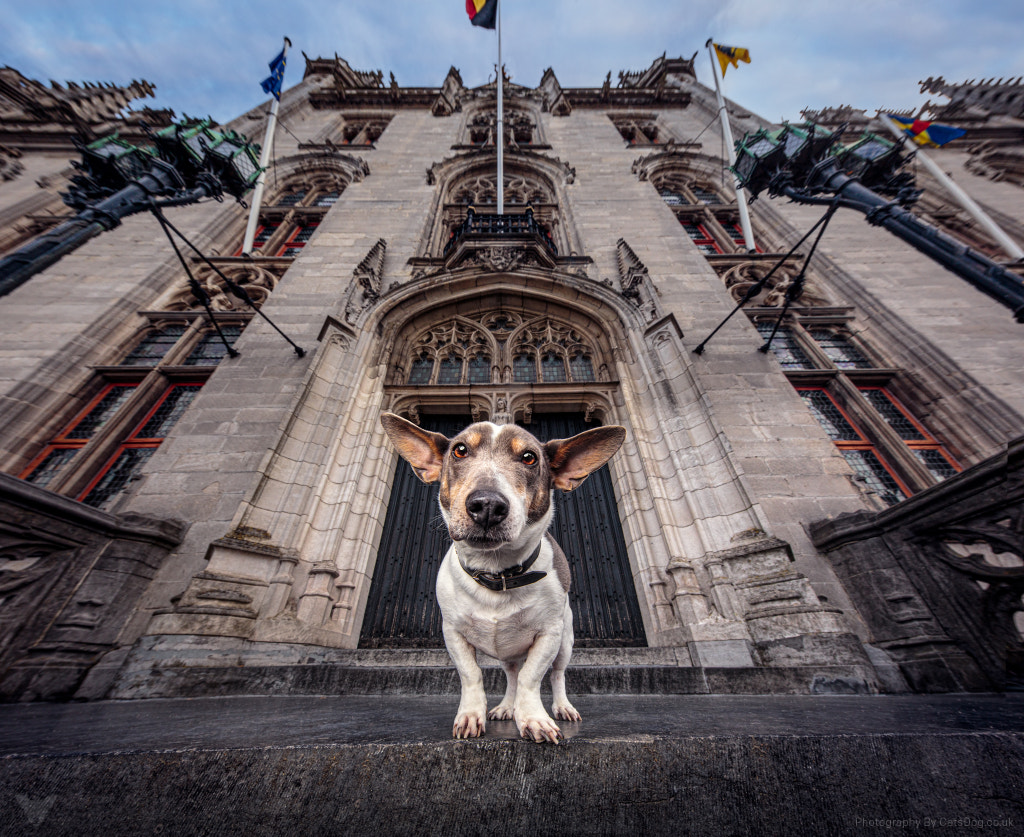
(272, 83)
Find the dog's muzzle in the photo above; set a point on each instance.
(487, 508)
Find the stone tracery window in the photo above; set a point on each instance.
(500, 346)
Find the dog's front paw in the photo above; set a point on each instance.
(539, 728)
(502, 712)
(565, 712)
(469, 725)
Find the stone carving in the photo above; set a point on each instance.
(632, 271)
(501, 259)
(368, 279)
(369, 272)
(739, 278)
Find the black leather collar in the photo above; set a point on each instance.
(509, 579)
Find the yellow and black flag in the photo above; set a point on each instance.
(731, 55)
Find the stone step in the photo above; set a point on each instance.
(171, 667)
(334, 679)
(385, 765)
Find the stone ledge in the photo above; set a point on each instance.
(335, 680)
(764, 784)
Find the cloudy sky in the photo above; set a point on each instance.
(206, 57)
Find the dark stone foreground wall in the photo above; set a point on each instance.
(728, 785)
(938, 578)
(70, 578)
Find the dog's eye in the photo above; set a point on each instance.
(528, 458)
(460, 451)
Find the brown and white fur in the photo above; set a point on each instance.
(495, 498)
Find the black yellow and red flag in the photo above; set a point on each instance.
(482, 12)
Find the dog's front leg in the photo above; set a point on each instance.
(531, 719)
(470, 721)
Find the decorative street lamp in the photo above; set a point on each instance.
(808, 165)
(190, 162)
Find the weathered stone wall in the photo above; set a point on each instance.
(939, 577)
(70, 578)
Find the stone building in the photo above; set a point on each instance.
(842, 513)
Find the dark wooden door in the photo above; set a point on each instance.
(402, 610)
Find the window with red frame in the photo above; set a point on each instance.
(139, 446)
(735, 232)
(701, 237)
(64, 447)
(924, 446)
(858, 452)
(263, 235)
(297, 240)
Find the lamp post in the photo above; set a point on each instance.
(189, 162)
(808, 165)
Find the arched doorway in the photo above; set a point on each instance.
(402, 610)
(502, 358)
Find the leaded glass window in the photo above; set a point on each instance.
(450, 371)
(480, 370)
(829, 416)
(327, 198)
(867, 465)
(168, 411)
(706, 196)
(422, 367)
(785, 347)
(552, 369)
(582, 368)
(292, 199)
(125, 467)
(52, 464)
(211, 350)
(893, 416)
(151, 350)
(936, 463)
(840, 350)
(524, 370)
(97, 417)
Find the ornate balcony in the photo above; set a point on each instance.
(508, 228)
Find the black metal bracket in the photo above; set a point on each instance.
(757, 287)
(795, 291)
(193, 283)
(232, 286)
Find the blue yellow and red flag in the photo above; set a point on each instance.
(482, 12)
(933, 134)
(731, 55)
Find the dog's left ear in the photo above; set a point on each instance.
(421, 448)
(573, 460)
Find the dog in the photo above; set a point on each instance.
(503, 586)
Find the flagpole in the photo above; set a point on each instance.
(741, 198)
(975, 211)
(501, 123)
(265, 152)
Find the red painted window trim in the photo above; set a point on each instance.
(60, 441)
(133, 441)
(863, 444)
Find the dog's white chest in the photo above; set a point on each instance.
(502, 637)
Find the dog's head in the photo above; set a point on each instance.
(496, 480)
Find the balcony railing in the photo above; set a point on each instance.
(500, 226)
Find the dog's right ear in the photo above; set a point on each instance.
(421, 448)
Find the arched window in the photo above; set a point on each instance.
(464, 350)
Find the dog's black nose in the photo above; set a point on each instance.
(487, 508)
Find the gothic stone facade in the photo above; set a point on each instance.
(256, 488)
